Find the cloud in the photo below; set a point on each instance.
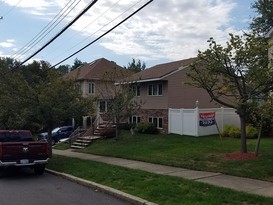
(7, 44)
(172, 29)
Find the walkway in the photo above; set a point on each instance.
(251, 186)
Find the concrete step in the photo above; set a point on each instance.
(83, 141)
(80, 144)
(76, 147)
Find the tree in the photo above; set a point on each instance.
(58, 100)
(76, 64)
(262, 23)
(135, 66)
(121, 98)
(15, 97)
(63, 69)
(235, 75)
(35, 96)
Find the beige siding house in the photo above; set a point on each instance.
(97, 79)
(162, 87)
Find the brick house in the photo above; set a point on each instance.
(162, 87)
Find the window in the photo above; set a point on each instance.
(103, 106)
(155, 89)
(136, 90)
(157, 121)
(91, 88)
(134, 119)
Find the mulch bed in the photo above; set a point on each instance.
(241, 156)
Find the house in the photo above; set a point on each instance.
(97, 79)
(162, 87)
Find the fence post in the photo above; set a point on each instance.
(222, 118)
(169, 119)
(197, 121)
(182, 121)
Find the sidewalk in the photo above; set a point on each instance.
(251, 186)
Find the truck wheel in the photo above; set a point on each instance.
(39, 169)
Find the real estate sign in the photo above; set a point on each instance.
(206, 119)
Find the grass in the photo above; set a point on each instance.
(199, 153)
(152, 187)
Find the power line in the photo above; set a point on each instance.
(63, 30)
(5, 14)
(99, 28)
(121, 22)
(42, 34)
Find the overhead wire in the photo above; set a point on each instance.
(1, 2)
(121, 22)
(71, 37)
(7, 13)
(47, 29)
(63, 30)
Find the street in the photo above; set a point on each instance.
(23, 187)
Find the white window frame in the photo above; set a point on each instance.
(155, 89)
(136, 90)
(156, 121)
(91, 88)
(134, 119)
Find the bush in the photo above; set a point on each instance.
(235, 132)
(251, 132)
(146, 128)
(231, 131)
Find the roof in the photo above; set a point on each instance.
(270, 33)
(159, 72)
(96, 70)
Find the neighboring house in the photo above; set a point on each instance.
(162, 87)
(97, 79)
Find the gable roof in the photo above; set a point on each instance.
(159, 72)
(96, 70)
(270, 33)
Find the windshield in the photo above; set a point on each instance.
(55, 129)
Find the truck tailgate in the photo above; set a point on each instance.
(24, 150)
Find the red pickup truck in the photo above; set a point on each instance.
(18, 149)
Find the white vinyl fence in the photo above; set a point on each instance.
(200, 122)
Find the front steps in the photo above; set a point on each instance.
(88, 137)
(84, 141)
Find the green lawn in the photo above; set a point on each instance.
(199, 153)
(160, 189)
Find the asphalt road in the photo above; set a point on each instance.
(24, 188)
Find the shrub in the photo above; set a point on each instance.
(231, 131)
(251, 132)
(146, 128)
(235, 132)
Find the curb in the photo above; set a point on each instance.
(105, 189)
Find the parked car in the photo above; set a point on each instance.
(58, 133)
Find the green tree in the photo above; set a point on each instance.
(120, 96)
(63, 69)
(264, 20)
(15, 97)
(59, 100)
(235, 75)
(35, 96)
(135, 66)
(76, 64)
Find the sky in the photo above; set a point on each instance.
(163, 31)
